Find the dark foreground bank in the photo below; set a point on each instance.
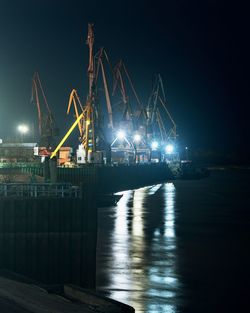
(20, 295)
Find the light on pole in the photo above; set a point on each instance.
(137, 138)
(121, 135)
(23, 129)
(169, 149)
(186, 149)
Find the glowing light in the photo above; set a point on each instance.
(23, 129)
(154, 145)
(137, 138)
(121, 135)
(169, 149)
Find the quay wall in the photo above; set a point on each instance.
(50, 240)
(119, 178)
(109, 178)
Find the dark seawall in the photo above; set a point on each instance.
(110, 178)
(117, 178)
(50, 240)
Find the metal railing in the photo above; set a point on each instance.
(36, 190)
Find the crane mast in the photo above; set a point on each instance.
(89, 122)
(47, 129)
(90, 43)
(46, 124)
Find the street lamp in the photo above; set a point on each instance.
(121, 135)
(137, 138)
(186, 149)
(23, 129)
(154, 145)
(169, 149)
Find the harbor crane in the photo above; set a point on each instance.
(157, 106)
(88, 115)
(46, 127)
(100, 57)
(133, 113)
(133, 117)
(162, 137)
(46, 124)
(124, 131)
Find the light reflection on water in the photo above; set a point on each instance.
(169, 216)
(178, 250)
(163, 280)
(142, 265)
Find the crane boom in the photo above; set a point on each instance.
(90, 43)
(105, 84)
(74, 98)
(46, 123)
(67, 135)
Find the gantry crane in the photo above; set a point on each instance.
(46, 123)
(46, 127)
(161, 127)
(133, 118)
(130, 112)
(158, 114)
(87, 115)
(100, 57)
(141, 124)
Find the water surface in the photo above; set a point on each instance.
(182, 246)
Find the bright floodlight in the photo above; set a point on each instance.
(23, 129)
(154, 145)
(137, 138)
(169, 149)
(121, 135)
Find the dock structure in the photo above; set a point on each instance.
(108, 179)
(49, 232)
(36, 190)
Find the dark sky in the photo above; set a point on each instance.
(198, 47)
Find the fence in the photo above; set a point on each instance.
(35, 190)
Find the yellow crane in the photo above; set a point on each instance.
(67, 135)
(84, 114)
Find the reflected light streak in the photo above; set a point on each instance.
(139, 196)
(121, 279)
(169, 210)
(154, 189)
(156, 308)
(163, 278)
(127, 267)
(129, 277)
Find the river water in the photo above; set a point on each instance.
(181, 246)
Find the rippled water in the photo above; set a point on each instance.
(182, 246)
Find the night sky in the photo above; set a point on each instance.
(198, 47)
